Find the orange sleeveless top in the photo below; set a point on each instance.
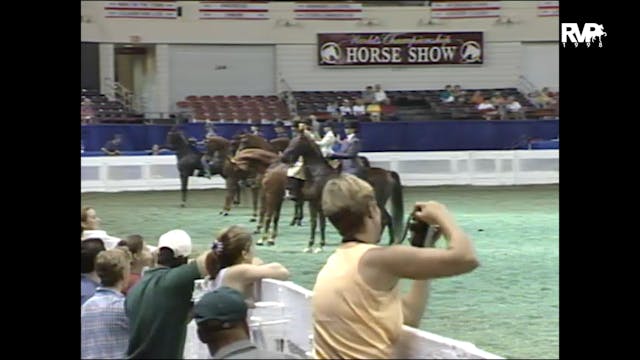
(350, 319)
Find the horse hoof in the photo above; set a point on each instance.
(259, 242)
(270, 242)
(252, 220)
(318, 249)
(256, 231)
(183, 205)
(236, 203)
(306, 250)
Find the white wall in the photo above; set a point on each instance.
(297, 64)
(541, 64)
(248, 70)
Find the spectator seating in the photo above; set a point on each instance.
(233, 108)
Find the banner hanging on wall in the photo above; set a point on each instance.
(328, 11)
(234, 10)
(386, 48)
(465, 9)
(548, 8)
(141, 9)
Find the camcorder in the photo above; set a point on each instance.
(422, 234)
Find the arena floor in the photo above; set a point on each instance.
(508, 306)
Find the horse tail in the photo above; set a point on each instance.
(397, 207)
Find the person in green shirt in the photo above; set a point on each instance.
(159, 306)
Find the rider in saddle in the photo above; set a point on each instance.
(328, 141)
(206, 159)
(295, 172)
(348, 153)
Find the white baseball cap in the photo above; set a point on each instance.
(177, 240)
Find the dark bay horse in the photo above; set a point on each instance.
(189, 160)
(386, 184)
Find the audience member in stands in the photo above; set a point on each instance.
(487, 109)
(458, 93)
(514, 108)
(89, 280)
(346, 111)
(231, 262)
(87, 111)
(368, 95)
(375, 111)
(90, 228)
(141, 258)
(158, 306)
(446, 96)
(541, 99)
(357, 308)
(221, 316)
(112, 147)
(359, 110)
(104, 326)
(477, 98)
(157, 150)
(332, 108)
(380, 95)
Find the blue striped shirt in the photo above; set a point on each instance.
(105, 327)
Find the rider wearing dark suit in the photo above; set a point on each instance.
(348, 152)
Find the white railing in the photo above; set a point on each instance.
(513, 167)
(296, 302)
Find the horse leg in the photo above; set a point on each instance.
(276, 218)
(184, 183)
(255, 192)
(295, 214)
(313, 211)
(300, 211)
(236, 200)
(232, 186)
(323, 223)
(263, 210)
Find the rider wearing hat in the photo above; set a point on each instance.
(210, 132)
(349, 149)
(328, 140)
(296, 171)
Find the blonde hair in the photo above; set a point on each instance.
(345, 201)
(112, 265)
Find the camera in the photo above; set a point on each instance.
(422, 234)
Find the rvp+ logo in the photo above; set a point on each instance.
(589, 33)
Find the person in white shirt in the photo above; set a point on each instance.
(328, 140)
(487, 109)
(380, 95)
(346, 111)
(359, 109)
(514, 107)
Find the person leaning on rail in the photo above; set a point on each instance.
(357, 308)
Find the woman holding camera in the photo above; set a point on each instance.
(358, 311)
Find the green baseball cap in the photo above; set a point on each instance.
(224, 304)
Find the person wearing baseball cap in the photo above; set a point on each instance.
(221, 316)
(158, 305)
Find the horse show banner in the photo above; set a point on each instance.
(548, 8)
(141, 9)
(387, 48)
(328, 11)
(234, 10)
(465, 9)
